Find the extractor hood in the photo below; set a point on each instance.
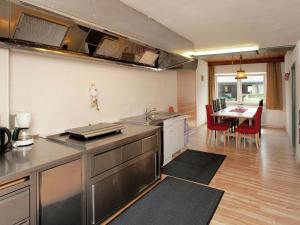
(28, 27)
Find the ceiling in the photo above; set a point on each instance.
(271, 53)
(227, 23)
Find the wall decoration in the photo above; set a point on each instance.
(287, 76)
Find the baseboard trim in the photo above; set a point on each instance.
(297, 155)
(273, 127)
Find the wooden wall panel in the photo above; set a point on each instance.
(186, 94)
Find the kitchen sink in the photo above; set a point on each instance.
(154, 118)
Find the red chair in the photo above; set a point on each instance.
(246, 131)
(214, 126)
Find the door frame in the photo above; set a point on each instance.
(293, 112)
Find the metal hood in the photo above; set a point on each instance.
(31, 28)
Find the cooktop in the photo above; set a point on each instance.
(95, 130)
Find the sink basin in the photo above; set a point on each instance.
(158, 117)
(154, 118)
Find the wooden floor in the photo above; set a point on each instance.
(261, 186)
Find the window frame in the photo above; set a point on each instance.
(239, 87)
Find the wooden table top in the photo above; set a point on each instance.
(227, 112)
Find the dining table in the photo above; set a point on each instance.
(238, 112)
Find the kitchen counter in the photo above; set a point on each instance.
(43, 153)
(25, 160)
(101, 144)
(155, 119)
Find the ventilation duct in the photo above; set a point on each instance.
(28, 27)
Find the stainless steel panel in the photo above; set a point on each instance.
(113, 192)
(41, 31)
(150, 143)
(14, 207)
(131, 150)
(24, 222)
(106, 161)
(29, 27)
(61, 195)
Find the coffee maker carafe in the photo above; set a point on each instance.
(5, 140)
(21, 135)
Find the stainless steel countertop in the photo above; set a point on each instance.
(154, 119)
(45, 153)
(42, 154)
(106, 142)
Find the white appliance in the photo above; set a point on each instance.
(21, 135)
(173, 137)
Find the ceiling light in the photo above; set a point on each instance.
(240, 74)
(221, 51)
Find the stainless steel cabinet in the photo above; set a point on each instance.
(60, 195)
(111, 192)
(119, 175)
(14, 207)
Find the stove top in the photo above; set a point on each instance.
(98, 129)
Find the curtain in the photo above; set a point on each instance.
(274, 86)
(211, 84)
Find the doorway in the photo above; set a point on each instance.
(293, 80)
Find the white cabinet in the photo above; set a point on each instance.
(173, 137)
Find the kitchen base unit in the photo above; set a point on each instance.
(119, 175)
(116, 168)
(60, 195)
(15, 202)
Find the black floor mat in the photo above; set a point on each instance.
(173, 202)
(195, 166)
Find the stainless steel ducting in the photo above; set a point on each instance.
(31, 28)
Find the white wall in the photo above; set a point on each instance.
(290, 58)
(297, 56)
(55, 91)
(270, 118)
(201, 91)
(4, 87)
(259, 67)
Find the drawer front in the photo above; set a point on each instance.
(14, 207)
(106, 161)
(131, 150)
(149, 143)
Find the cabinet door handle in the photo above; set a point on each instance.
(13, 183)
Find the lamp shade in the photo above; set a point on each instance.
(240, 74)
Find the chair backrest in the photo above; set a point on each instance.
(209, 111)
(216, 105)
(258, 118)
(222, 103)
(261, 102)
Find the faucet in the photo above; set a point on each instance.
(148, 112)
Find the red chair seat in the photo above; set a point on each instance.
(211, 124)
(218, 126)
(246, 129)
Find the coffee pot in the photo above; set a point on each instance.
(5, 140)
(21, 135)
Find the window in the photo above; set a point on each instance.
(227, 87)
(248, 91)
(253, 89)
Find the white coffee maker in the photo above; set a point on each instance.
(21, 135)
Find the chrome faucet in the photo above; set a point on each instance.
(148, 112)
